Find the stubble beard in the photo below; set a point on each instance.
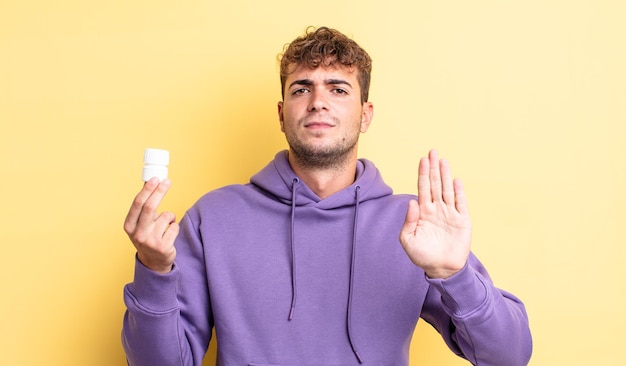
(323, 157)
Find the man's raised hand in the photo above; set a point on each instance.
(436, 234)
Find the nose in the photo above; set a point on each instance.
(317, 102)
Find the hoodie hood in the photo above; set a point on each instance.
(278, 177)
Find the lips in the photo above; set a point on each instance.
(318, 125)
(318, 122)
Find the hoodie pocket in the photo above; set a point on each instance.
(286, 364)
(270, 364)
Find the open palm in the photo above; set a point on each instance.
(436, 234)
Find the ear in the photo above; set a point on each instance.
(366, 116)
(281, 119)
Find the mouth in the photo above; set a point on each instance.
(318, 125)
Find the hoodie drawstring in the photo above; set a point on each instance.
(295, 181)
(293, 249)
(352, 265)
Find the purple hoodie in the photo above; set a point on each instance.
(287, 278)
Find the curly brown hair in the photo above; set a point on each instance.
(326, 47)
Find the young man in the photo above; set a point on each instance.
(302, 265)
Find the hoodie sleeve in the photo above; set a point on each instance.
(485, 325)
(167, 321)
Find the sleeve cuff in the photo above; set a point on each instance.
(154, 291)
(462, 293)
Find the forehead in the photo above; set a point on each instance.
(323, 73)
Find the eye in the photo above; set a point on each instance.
(299, 91)
(340, 91)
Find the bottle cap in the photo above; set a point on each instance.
(156, 157)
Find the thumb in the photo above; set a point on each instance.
(411, 219)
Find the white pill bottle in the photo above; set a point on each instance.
(155, 164)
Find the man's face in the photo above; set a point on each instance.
(322, 114)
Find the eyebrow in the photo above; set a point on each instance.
(309, 82)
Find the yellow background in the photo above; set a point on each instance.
(525, 98)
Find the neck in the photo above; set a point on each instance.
(326, 181)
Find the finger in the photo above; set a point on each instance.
(171, 233)
(460, 201)
(411, 219)
(434, 176)
(130, 223)
(446, 183)
(423, 182)
(149, 209)
(163, 223)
